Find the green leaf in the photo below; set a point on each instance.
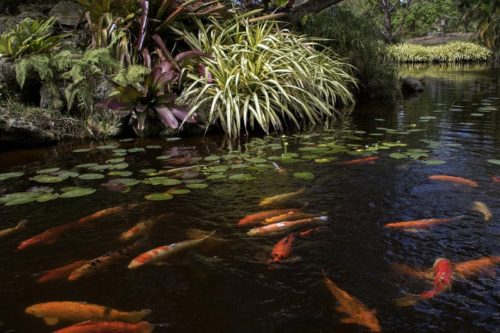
(304, 175)
(77, 192)
(159, 196)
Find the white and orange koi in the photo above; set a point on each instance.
(257, 218)
(9, 231)
(482, 209)
(62, 272)
(280, 227)
(142, 228)
(280, 197)
(288, 216)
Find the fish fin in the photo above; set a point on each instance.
(193, 233)
(51, 321)
(22, 224)
(407, 300)
(459, 277)
(136, 316)
(348, 320)
(340, 308)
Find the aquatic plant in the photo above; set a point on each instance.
(452, 52)
(260, 74)
(29, 37)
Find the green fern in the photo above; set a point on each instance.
(132, 75)
(38, 63)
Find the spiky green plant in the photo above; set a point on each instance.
(259, 74)
(29, 37)
(453, 52)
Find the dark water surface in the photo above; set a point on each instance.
(231, 288)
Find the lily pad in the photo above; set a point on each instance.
(120, 173)
(434, 162)
(379, 119)
(19, 198)
(324, 160)
(180, 191)
(47, 197)
(193, 181)
(136, 150)
(158, 196)
(477, 114)
(77, 192)
(82, 150)
(91, 176)
(304, 175)
(216, 176)
(107, 147)
(256, 160)
(241, 177)
(86, 165)
(172, 139)
(212, 158)
(8, 175)
(127, 140)
(147, 171)
(162, 181)
(116, 160)
(47, 171)
(397, 156)
(124, 181)
(199, 186)
(239, 166)
(154, 147)
(494, 161)
(118, 166)
(44, 179)
(66, 174)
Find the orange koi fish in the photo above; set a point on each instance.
(74, 312)
(51, 235)
(482, 209)
(61, 272)
(421, 224)
(476, 266)
(278, 228)
(9, 231)
(142, 228)
(443, 277)
(288, 216)
(256, 218)
(361, 161)
(454, 179)
(162, 253)
(102, 262)
(107, 327)
(358, 313)
(283, 248)
(495, 179)
(281, 197)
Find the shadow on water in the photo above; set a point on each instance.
(454, 123)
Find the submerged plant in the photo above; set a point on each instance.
(259, 74)
(29, 37)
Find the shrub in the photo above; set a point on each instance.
(453, 52)
(355, 37)
(259, 74)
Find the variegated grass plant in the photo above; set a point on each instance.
(453, 52)
(261, 75)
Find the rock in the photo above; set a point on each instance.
(17, 131)
(50, 97)
(31, 13)
(68, 13)
(411, 85)
(7, 75)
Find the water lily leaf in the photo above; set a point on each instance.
(91, 176)
(82, 150)
(159, 196)
(47, 171)
(359, 132)
(494, 161)
(107, 147)
(101, 167)
(397, 156)
(116, 160)
(19, 198)
(239, 166)
(123, 181)
(212, 158)
(275, 146)
(379, 119)
(427, 118)
(193, 181)
(44, 179)
(86, 165)
(127, 140)
(433, 162)
(309, 157)
(118, 166)
(154, 147)
(162, 181)
(172, 139)
(77, 192)
(163, 157)
(8, 175)
(216, 176)
(242, 177)
(218, 168)
(47, 197)
(289, 160)
(256, 160)
(67, 174)
(146, 171)
(394, 144)
(325, 160)
(304, 175)
(376, 134)
(199, 186)
(476, 114)
(120, 173)
(136, 150)
(180, 191)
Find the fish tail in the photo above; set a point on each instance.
(134, 316)
(22, 224)
(407, 300)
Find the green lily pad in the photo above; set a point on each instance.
(82, 150)
(256, 160)
(8, 175)
(136, 150)
(487, 108)
(127, 140)
(477, 114)
(218, 168)
(175, 138)
(198, 186)
(359, 132)
(67, 174)
(77, 192)
(101, 167)
(216, 176)
(162, 181)
(379, 119)
(397, 156)
(47, 171)
(116, 160)
(163, 157)
(427, 118)
(193, 181)
(324, 160)
(241, 177)
(44, 179)
(180, 191)
(19, 198)
(434, 162)
(304, 175)
(158, 196)
(239, 166)
(91, 176)
(124, 181)
(120, 173)
(118, 166)
(494, 161)
(154, 147)
(211, 158)
(47, 197)
(86, 165)
(107, 147)
(147, 171)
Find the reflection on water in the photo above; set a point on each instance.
(450, 129)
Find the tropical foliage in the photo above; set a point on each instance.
(261, 75)
(452, 52)
(485, 14)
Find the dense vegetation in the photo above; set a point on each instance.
(451, 52)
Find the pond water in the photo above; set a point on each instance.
(452, 128)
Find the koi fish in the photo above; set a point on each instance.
(443, 277)
(360, 161)
(51, 235)
(260, 216)
(456, 180)
(280, 197)
(61, 272)
(400, 268)
(358, 313)
(421, 224)
(142, 228)
(55, 312)
(9, 231)
(102, 262)
(164, 252)
(288, 216)
(107, 327)
(495, 179)
(283, 248)
(280, 227)
(482, 209)
(473, 267)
